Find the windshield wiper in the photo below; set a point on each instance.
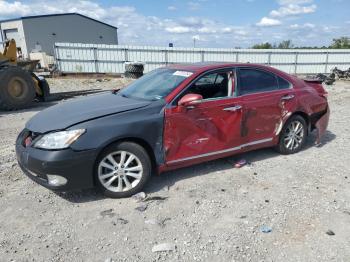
(123, 95)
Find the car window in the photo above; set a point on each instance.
(253, 81)
(214, 85)
(206, 80)
(283, 84)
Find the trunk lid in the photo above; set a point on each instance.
(317, 85)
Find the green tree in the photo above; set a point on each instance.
(266, 45)
(340, 43)
(286, 44)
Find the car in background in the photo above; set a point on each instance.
(170, 118)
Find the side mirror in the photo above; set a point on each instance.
(190, 100)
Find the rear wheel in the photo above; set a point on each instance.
(16, 88)
(293, 135)
(122, 170)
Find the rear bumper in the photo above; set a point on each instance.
(75, 167)
(322, 124)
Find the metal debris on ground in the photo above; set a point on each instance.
(154, 198)
(139, 196)
(141, 208)
(330, 233)
(162, 222)
(163, 247)
(341, 74)
(335, 74)
(328, 80)
(266, 229)
(107, 213)
(240, 163)
(122, 220)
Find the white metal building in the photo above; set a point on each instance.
(39, 33)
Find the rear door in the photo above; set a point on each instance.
(267, 101)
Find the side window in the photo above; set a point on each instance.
(206, 80)
(214, 85)
(254, 81)
(283, 84)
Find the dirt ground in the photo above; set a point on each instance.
(209, 212)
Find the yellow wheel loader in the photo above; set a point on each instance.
(19, 86)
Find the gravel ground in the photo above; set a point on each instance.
(209, 212)
(78, 84)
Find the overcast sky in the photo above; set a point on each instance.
(213, 23)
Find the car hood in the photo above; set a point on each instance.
(72, 112)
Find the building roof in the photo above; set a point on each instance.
(62, 14)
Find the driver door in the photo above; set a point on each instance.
(208, 128)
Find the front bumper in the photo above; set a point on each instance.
(76, 167)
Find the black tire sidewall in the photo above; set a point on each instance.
(7, 102)
(281, 147)
(45, 88)
(134, 68)
(138, 151)
(133, 75)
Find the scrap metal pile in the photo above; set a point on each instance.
(336, 74)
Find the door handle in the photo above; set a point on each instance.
(233, 108)
(287, 97)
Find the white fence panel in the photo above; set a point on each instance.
(92, 58)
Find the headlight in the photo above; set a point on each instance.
(59, 140)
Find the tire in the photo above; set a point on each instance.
(133, 75)
(284, 146)
(44, 86)
(17, 89)
(134, 68)
(106, 172)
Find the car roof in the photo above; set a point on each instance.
(205, 66)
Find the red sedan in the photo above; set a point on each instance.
(170, 118)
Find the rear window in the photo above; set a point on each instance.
(283, 84)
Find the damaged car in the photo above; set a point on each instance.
(170, 118)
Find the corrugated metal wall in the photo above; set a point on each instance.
(91, 58)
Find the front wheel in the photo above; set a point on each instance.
(293, 135)
(123, 169)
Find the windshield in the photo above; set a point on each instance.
(155, 85)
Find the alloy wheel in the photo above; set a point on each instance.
(120, 171)
(294, 135)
